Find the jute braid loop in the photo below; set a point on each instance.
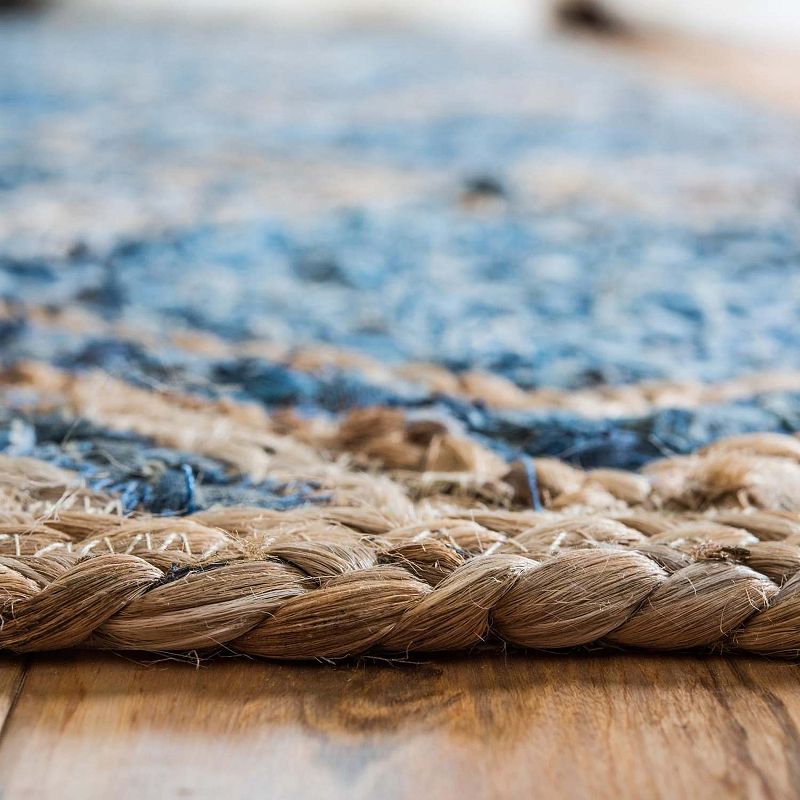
(339, 592)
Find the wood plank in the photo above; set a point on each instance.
(581, 726)
(12, 677)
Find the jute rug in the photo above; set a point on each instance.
(323, 346)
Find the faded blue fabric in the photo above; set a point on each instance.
(143, 476)
(626, 443)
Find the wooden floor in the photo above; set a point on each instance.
(608, 726)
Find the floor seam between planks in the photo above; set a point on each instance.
(19, 685)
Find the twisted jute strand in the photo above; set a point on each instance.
(307, 585)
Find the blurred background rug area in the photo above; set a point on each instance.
(549, 252)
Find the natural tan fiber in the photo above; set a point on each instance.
(699, 551)
(341, 594)
(418, 460)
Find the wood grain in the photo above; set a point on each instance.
(12, 678)
(622, 726)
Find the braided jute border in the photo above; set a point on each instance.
(305, 597)
(323, 583)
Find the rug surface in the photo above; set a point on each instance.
(320, 345)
